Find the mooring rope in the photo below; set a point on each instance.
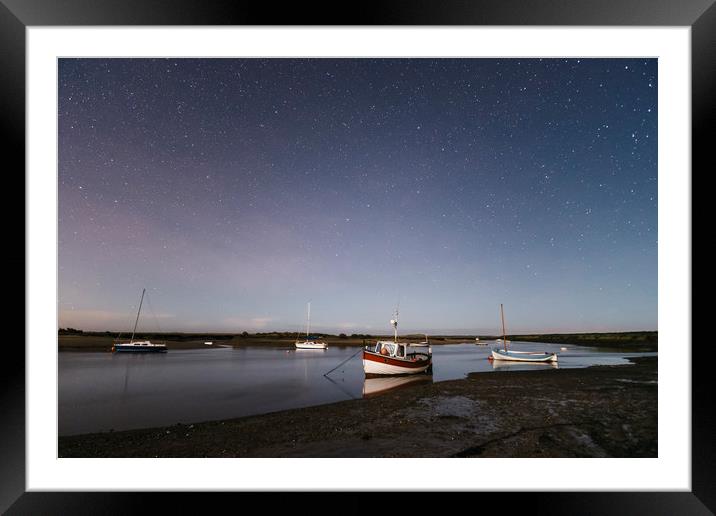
(344, 391)
(339, 365)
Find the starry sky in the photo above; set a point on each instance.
(236, 190)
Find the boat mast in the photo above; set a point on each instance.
(137, 319)
(504, 338)
(308, 324)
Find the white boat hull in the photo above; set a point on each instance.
(377, 364)
(139, 347)
(523, 356)
(371, 367)
(311, 345)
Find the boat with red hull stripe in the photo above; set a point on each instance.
(397, 358)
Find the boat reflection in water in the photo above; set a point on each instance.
(382, 385)
(503, 365)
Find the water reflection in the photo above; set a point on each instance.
(505, 365)
(101, 391)
(375, 386)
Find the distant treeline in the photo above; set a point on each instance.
(73, 331)
(176, 336)
(180, 336)
(640, 338)
(614, 339)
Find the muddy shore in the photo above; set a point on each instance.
(603, 411)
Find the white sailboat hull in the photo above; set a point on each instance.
(311, 345)
(139, 347)
(523, 356)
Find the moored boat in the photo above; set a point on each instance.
(139, 346)
(523, 356)
(396, 358)
(518, 356)
(309, 342)
(510, 365)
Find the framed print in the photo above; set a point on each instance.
(222, 199)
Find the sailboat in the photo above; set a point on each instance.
(519, 356)
(309, 343)
(391, 358)
(139, 346)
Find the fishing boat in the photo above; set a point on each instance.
(139, 346)
(394, 358)
(519, 356)
(309, 342)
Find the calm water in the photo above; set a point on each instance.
(103, 391)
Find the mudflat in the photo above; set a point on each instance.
(602, 411)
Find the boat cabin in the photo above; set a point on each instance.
(391, 349)
(399, 349)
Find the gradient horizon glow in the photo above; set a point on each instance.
(236, 190)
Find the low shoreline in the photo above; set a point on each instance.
(601, 411)
(95, 343)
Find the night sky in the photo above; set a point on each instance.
(236, 190)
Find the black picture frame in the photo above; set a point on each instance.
(17, 15)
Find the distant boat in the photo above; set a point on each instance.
(309, 343)
(393, 358)
(208, 343)
(519, 356)
(139, 346)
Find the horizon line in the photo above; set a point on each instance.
(448, 333)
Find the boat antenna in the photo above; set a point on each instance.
(504, 337)
(394, 322)
(137, 319)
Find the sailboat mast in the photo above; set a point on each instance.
(137, 319)
(308, 324)
(504, 337)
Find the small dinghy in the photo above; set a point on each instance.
(519, 356)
